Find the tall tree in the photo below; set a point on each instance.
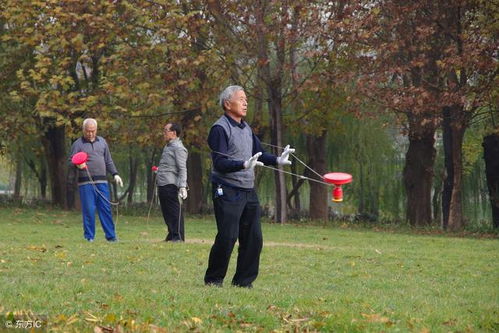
(277, 46)
(66, 41)
(422, 61)
(262, 25)
(170, 46)
(399, 71)
(491, 157)
(468, 68)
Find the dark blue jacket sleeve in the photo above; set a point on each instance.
(266, 158)
(218, 142)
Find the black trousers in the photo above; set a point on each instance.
(170, 207)
(238, 217)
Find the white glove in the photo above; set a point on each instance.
(81, 166)
(284, 158)
(253, 161)
(118, 180)
(182, 193)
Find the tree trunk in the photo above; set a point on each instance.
(274, 105)
(491, 156)
(362, 187)
(456, 218)
(18, 179)
(276, 130)
(71, 188)
(418, 171)
(436, 202)
(54, 142)
(40, 173)
(194, 203)
(43, 179)
(449, 170)
(132, 182)
(149, 159)
(294, 106)
(316, 147)
(273, 82)
(294, 192)
(454, 127)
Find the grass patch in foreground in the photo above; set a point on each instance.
(311, 278)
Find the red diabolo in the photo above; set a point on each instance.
(338, 179)
(80, 159)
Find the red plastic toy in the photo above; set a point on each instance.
(80, 159)
(338, 179)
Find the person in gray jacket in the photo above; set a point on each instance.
(172, 182)
(92, 181)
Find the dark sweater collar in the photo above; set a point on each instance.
(234, 123)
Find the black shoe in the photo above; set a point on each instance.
(177, 241)
(248, 286)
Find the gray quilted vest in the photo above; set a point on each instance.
(240, 147)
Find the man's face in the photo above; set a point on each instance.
(90, 132)
(168, 133)
(237, 105)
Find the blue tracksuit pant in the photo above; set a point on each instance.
(90, 200)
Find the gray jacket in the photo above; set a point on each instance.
(172, 167)
(99, 161)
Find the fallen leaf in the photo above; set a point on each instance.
(90, 317)
(375, 318)
(37, 248)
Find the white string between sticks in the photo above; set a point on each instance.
(304, 164)
(287, 172)
(97, 190)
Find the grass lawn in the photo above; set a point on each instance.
(311, 279)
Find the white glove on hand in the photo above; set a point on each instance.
(118, 180)
(284, 158)
(81, 166)
(253, 161)
(182, 193)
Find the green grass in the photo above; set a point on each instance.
(311, 278)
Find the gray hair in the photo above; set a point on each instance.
(89, 121)
(227, 94)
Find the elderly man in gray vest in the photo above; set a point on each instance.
(235, 153)
(172, 182)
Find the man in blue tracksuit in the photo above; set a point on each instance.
(235, 153)
(94, 190)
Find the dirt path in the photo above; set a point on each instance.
(272, 244)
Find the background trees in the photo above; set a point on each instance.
(432, 62)
(319, 74)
